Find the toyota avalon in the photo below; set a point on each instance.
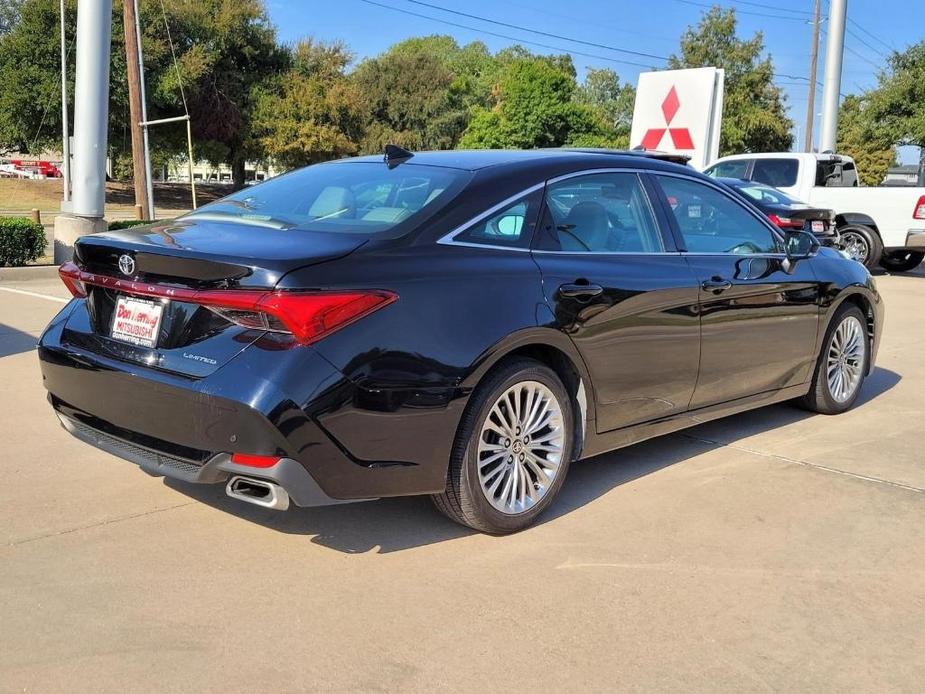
(463, 325)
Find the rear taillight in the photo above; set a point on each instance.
(308, 316)
(785, 222)
(919, 212)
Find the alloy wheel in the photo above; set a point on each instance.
(845, 361)
(520, 447)
(855, 245)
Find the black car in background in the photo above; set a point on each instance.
(458, 324)
(785, 212)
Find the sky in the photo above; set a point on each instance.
(651, 27)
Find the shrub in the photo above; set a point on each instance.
(128, 223)
(21, 241)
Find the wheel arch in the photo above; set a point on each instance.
(553, 349)
(848, 218)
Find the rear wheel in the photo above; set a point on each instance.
(862, 244)
(901, 261)
(842, 364)
(512, 452)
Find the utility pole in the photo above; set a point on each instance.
(834, 52)
(139, 170)
(813, 62)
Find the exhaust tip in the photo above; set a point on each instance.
(257, 492)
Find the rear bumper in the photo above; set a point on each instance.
(262, 403)
(915, 238)
(287, 473)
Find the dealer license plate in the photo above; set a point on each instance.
(137, 321)
(818, 226)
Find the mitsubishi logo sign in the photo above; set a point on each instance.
(680, 137)
(680, 111)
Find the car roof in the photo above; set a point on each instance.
(476, 159)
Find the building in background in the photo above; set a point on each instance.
(905, 175)
(205, 172)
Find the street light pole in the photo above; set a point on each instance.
(65, 126)
(834, 51)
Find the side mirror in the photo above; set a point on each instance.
(800, 244)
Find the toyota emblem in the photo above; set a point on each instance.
(126, 264)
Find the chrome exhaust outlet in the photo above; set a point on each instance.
(258, 492)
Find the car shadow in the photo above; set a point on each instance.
(390, 525)
(14, 341)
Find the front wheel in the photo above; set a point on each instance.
(901, 261)
(862, 244)
(512, 451)
(842, 364)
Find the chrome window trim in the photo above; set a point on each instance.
(449, 239)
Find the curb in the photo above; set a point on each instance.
(30, 272)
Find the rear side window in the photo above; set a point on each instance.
(511, 226)
(343, 197)
(780, 173)
(599, 213)
(737, 168)
(711, 221)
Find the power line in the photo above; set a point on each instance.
(858, 37)
(747, 12)
(508, 37)
(876, 38)
(536, 31)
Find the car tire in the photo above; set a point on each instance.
(845, 353)
(500, 479)
(901, 261)
(862, 243)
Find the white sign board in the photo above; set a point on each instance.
(680, 111)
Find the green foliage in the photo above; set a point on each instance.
(754, 119)
(9, 14)
(602, 90)
(21, 241)
(856, 137)
(312, 112)
(534, 107)
(128, 223)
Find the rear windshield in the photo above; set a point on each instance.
(343, 197)
(762, 193)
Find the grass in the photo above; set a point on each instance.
(21, 195)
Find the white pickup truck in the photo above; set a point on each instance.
(878, 225)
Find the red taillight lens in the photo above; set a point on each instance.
(254, 460)
(70, 274)
(308, 316)
(919, 212)
(785, 222)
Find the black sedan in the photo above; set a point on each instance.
(458, 324)
(787, 213)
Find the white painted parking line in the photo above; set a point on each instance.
(26, 292)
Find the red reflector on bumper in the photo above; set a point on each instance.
(254, 460)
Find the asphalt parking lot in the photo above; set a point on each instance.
(771, 551)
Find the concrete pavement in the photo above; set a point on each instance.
(771, 551)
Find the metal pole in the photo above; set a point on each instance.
(834, 51)
(149, 179)
(189, 143)
(91, 107)
(813, 63)
(132, 68)
(65, 127)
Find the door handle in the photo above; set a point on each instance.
(579, 291)
(716, 285)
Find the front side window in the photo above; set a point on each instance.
(599, 213)
(712, 222)
(780, 173)
(343, 197)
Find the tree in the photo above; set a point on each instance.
(602, 90)
(534, 107)
(754, 119)
(419, 93)
(896, 112)
(312, 113)
(858, 138)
